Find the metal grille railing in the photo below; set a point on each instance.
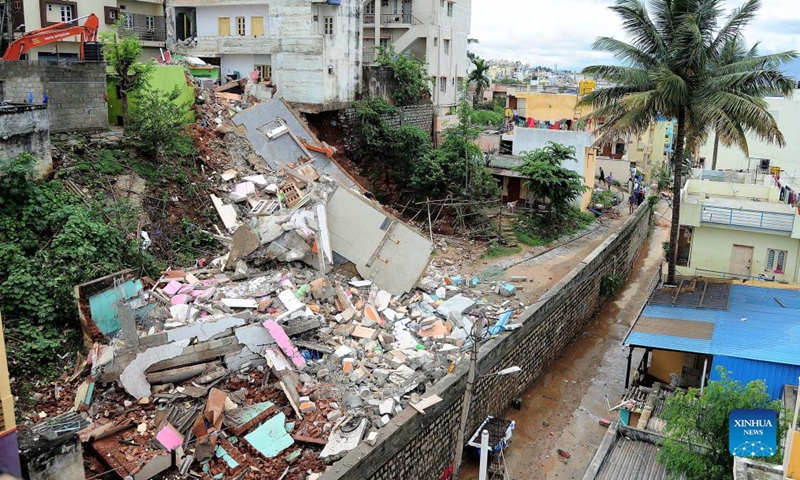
(145, 27)
(777, 222)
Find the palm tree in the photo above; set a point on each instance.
(471, 55)
(479, 77)
(672, 67)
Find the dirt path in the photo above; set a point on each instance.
(562, 409)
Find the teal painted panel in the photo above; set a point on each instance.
(270, 439)
(103, 306)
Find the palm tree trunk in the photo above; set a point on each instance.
(716, 150)
(672, 253)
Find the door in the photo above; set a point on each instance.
(224, 24)
(514, 185)
(406, 11)
(257, 26)
(741, 260)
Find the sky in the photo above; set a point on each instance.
(561, 32)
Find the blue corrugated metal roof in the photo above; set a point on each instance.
(755, 326)
(775, 375)
(669, 342)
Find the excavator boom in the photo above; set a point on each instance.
(54, 33)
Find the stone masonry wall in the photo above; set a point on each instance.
(76, 91)
(25, 128)
(420, 447)
(420, 116)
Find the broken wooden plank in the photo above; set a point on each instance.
(306, 439)
(179, 374)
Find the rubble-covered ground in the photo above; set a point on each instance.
(260, 352)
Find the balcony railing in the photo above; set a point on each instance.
(775, 222)
(144, 27)
(392, 19)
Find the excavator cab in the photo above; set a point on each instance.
(90, 48)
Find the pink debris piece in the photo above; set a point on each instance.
(173, 287)
(169, 438)
(283, 341)
(179, 299)
(186, 289)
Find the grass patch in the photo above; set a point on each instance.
(497, 251)
(538, 230)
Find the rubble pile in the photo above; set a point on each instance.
(306, 337)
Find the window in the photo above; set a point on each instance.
(619, 149)
(441, 3)
(776, 260)
(443, 84)
(449, 9)
(264, 72)
(66, 13)
(435, 41)
(385, 42)
(128, 21)
(447, 47)
(150, 22)
(385, 3)
(328, 25)
(50, 7)
(257, 26)
(240, 26)
(369, 8)
(112, 14)
(224, 26)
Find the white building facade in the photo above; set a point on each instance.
(433, 31)
(309, 49)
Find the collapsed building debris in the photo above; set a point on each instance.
(308, 335)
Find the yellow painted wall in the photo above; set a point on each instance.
(547, 106)
(589, 167)
(793, 469)
(6, 399)
(662, 363)
(712, 248)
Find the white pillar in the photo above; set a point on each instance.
(484, 455)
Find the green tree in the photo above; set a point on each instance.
(547, 179)
(671, 68)
(479, 77)
(122, 55)
(155, 126)
(410, 75)
(696, 431)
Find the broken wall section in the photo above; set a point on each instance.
(421, 446)
(25, 128)
(420, 116)
(75, 91)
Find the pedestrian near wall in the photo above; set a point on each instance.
(631, 203)
(602, 176)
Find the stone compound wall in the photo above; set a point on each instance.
(420, 116)
(25, 128)
(420, 447)
(61, 461)
(76, 91)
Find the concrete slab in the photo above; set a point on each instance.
(133, 379)
(341, 442)
(283, 150)
(204, 331)
(458, 305)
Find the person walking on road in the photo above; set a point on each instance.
(631, 203)
(602, 176)
(610, 180)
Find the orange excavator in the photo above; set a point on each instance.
(55, 33)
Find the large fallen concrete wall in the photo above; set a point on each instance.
(76, 91)
(416, 446)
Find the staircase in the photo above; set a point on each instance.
(506, 228)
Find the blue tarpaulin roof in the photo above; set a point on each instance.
(760, 324)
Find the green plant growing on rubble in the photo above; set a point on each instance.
(696, 432)
(122, 55)
(609, 286)
(51, 241)
(156, 125)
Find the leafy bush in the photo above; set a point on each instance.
(547, 179)
(156, 125)
(493, 116)
(410, 75)
(609, 286)
(540, 230)
(50, 241)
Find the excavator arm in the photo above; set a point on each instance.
(54, 33)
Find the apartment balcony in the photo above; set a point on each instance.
(750, 219)
(401, 20)
(151, 30)
(211, 46)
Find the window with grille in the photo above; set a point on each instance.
(240, 26)
(443, 84)
(776, 260)
(328, 25)
(369, 8)
(449, 9)
(128, 21)
(447, 47)
(150, 22)
(66, 13)
(264, 72)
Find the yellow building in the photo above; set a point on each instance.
(737, 230)
(542, 106)
(650, 150)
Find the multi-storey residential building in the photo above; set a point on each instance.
(651, 150)
(142, 18)
(309, 49)
(434, 31)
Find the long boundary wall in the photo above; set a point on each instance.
(414, 446)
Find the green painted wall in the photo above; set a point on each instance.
(163, 78)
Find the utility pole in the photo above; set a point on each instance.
(473, 361)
